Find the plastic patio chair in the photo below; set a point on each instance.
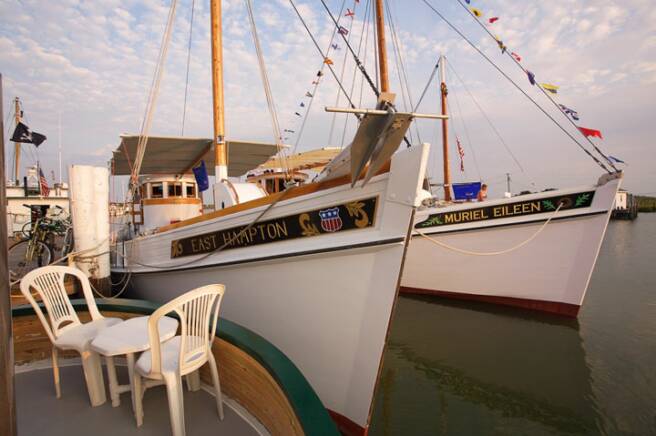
(64, 328)
(182, 355)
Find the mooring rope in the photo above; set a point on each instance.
(491, 253)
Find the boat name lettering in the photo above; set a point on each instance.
(358, 214)
(544, 205)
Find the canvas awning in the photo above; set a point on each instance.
(177, 155)
(307, 160)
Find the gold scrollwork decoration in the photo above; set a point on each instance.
(309, 229)
(176, 249)
(356, 210)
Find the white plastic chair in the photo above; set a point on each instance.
(63, 326)
(183, 355)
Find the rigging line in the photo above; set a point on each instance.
(152, 100)
(399, 49)
(375, 28)
(358, 63)
(355, 57)
(341, 77)
(464, 125)
(267, 88)
(541, 89)
(316, 45)
(398, 71)
(316, 85)
(365, 21)
(430, 80)
(191, 30)
(454, 28)
(489, 121)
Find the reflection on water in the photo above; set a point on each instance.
(474, 369)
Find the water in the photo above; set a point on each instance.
(473, 369)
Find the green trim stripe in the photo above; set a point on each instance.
(309, 409)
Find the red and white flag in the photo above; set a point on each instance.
(461, 153)
(43, 184)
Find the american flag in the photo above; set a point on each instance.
(461, 153)
(43, 183)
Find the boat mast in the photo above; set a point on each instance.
(17, 146)
(382, 48)
(220, 155)
(445, 131)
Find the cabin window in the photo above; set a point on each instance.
(156, 190)
(175, 189)
(191, 190)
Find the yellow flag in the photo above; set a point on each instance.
(477, 12)
(549, 87)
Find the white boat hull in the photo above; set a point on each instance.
(550, 272)
(325, 301)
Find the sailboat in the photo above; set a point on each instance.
(534, 251)
(314, 269)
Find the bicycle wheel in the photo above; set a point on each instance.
(26, 230)
(23, 260)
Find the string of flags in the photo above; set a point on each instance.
(548, 87)
(461, 153)
(350, 13)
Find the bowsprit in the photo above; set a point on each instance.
(330, 220)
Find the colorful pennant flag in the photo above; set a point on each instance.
(297, 114)
(289, 131)
(591, 132)
(468, 2)
(531, 77)
(302, 104)
(308, 94)
(319, 73)
(328, 61)
(493, 19)
(549, 87)
(335, 46)
(515, 56)
(477, 12)
(500, 43)
(315, 82)
(571, 112)
(349, 13)
(343, 30)
(615, 160)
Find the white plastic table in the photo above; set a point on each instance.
(128, 338)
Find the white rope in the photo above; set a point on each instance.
(152, 97)
(491, 253)
(267, 89)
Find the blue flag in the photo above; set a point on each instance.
(615, 160)
(200, 173)
(531, 77)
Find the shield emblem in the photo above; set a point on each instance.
(330, 220)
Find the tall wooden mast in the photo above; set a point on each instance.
(220, 152)
(382, 50)
(445, 131)
(17, 146)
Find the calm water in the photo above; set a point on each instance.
(472, 369)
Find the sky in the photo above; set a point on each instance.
(90, 64)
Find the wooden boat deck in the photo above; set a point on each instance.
(39, 412)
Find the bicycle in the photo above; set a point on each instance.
(39, 247)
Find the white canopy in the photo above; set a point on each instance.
(177, 155)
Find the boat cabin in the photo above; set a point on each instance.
(168, 199)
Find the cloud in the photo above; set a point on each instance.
(93, 62)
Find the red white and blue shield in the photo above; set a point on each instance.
(330, 220)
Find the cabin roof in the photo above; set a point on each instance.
(312, 159)
(166, 155)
